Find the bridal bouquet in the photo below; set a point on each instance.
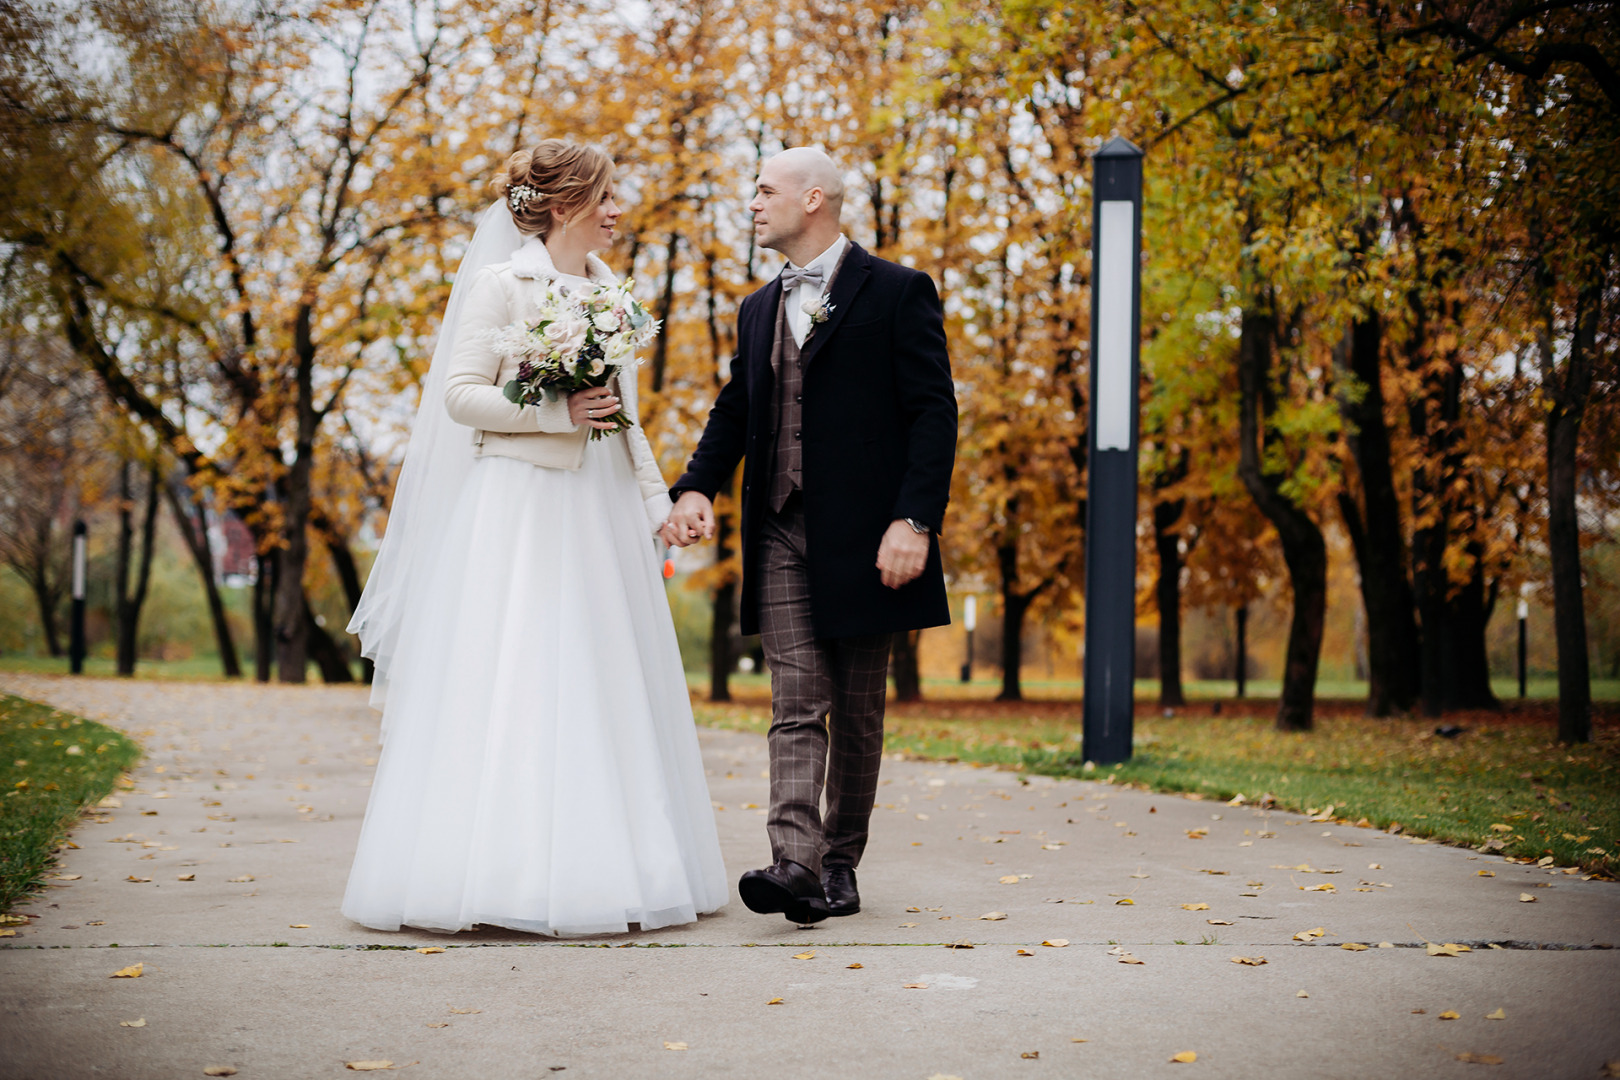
(578, 342)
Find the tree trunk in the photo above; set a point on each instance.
(348, 572)
(1013, 607)
(1455, 670)
(327, 654)
(1376, 532)
(196, 538)
(666, 303)
(291, 620)
(1567, 403)
(1304, 550)
(1167, 590)
(47, 598)
(903, 663)
(725, 609)
(264, 621)
(129, 605)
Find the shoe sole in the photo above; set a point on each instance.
(767, 898)
(836, 912)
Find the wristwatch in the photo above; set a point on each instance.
(916, 526)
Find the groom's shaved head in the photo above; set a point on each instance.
(810, 168)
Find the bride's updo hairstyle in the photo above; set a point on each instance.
(554, 175)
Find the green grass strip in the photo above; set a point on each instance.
(1505, 781)
(52, 765)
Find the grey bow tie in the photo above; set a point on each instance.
(793, 276)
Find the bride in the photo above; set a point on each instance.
(539, 767)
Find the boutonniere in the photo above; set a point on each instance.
(818, 309)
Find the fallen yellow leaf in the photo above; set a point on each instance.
(1449, 1015)
(1302, 994)
(365, 1066)
(186, 877)
(1326, 886)
(915, 986)
(220, 1070)
(1127, 902)
(1009, 879)
(1314, 932)
(854, 967)
(1023, 952)
(464, 1012)
(1127, 958)
(1251, 961)
(906, 925)
(1497, 1015)
(437, 1024)
(8, 933)
(963, 944)
(1079, 1040)
(138, 880)
(774, 1001)
(298, 926)
(1448, 949)
(1485, 873)
(1499, 827)
(68, 877)
(1479, 1059)
(1186, 1057)
(674, 1046)
(240, 879)
(131, 972)
(1030, 1055)
(804, 956)
(913, 909)
(993, 916)
(1057, 943)
(1194, 907)
(133, 1023)
(1353, 946)
(1219, 922)
(1526, 898)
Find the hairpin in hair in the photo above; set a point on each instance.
(518, 195)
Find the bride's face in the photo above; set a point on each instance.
(596, 227)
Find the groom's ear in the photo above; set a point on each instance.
(814, 199)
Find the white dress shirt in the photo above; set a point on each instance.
(798, 321)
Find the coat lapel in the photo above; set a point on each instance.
(762, 330)
(851, 276)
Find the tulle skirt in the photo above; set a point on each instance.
(539, 767)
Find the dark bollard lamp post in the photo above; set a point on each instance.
(1116, 247)
(970, 620)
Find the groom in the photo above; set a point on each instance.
(842, 407)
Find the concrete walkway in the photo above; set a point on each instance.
(221, 871)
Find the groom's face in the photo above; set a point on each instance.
(778, 207)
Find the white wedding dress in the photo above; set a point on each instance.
(539, 768)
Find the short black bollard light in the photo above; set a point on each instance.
(76, 617)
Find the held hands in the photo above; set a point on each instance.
(902, 554)
(691, 520)
(591, 406)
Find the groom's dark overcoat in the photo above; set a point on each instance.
(879, 436)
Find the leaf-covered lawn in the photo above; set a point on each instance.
(52, 765)
(1503, 779)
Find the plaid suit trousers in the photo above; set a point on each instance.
(827, 697)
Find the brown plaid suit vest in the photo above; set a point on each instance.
(786, 477)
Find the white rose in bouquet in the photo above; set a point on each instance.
(567, 333)
(605, 321)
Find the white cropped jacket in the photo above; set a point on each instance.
(542, 434)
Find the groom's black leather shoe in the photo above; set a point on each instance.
(838, 882)
(785, 887)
